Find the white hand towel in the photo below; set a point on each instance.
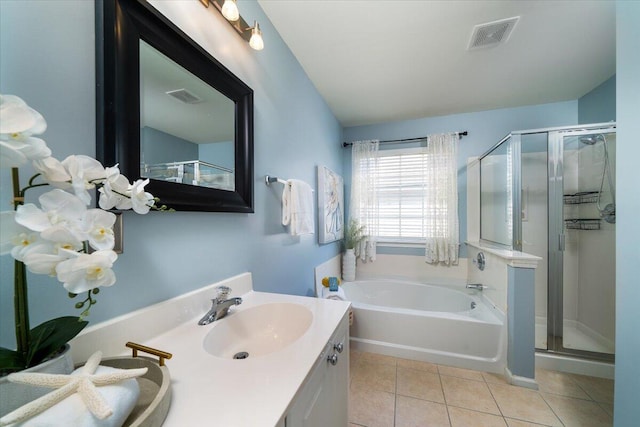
(337, 295)
(72, 411)
(297, 207)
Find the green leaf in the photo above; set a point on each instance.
(50, 336)
(10, 361)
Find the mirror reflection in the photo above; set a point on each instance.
(186, 126)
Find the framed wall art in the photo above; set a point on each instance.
(330, 206)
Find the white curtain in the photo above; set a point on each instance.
(363, 204)
(441, 199)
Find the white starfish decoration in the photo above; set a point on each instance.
(84, 383)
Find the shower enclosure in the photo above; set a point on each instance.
(551, 193)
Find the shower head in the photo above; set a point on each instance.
(591, 139)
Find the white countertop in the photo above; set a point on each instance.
(253, 392)
(207, 390)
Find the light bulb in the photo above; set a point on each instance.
(256, 41)
(230, 10)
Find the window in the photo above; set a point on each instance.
(410, 196)
(401, 189)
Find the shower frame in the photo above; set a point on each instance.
(555, 225)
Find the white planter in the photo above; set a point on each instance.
(349, 266)
(16, 395)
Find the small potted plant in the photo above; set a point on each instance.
(354, 234)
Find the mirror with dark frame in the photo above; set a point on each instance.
(168, 111)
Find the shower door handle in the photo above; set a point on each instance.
(561, 242)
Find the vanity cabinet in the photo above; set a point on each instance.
(323, 399)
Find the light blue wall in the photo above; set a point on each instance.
(627, 385)
(218, 153)
(485, 129)
(599, 105)
(47, 58)
(160, 147)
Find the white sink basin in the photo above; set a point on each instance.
(258, 330)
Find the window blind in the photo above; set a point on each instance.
(402, 183)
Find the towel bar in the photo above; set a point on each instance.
(269, 179)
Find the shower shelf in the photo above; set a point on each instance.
(582, 197)
(582, 224)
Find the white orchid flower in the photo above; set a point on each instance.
(85, 272)
(23, 243)
(44, 257)
(15, 238)
(141, 201)
(53, 172)
(61, 212)
(14, 153)
(17, 117)
(35, 149)
(11, 155)
(85, 171)
(98, 227)
(18, 122)
(14, 115)
(112, 173)
(115, 193)
(9, 230)
(65, 237)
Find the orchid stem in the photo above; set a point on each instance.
(24, 190)
(18, 199)
(20, 296)
(33, 178)
(21, 309)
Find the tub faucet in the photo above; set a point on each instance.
(476, 286)
(220, 306)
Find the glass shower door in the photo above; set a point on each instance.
(496, 194)
(534, 206)
(582, 242)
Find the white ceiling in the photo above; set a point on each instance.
(376, 61)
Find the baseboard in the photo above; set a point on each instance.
(520, 381)
(573, 365)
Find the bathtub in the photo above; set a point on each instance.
(445, 325)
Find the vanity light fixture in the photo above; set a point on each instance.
(229, 9)
(256, 41)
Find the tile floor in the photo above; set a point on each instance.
(390, 392)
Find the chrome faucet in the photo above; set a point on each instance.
(476, 286)
(220, 306)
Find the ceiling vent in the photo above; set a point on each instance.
(492, 33)
(185, 96)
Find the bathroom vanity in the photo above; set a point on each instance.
(322, 400)
(296, 372)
